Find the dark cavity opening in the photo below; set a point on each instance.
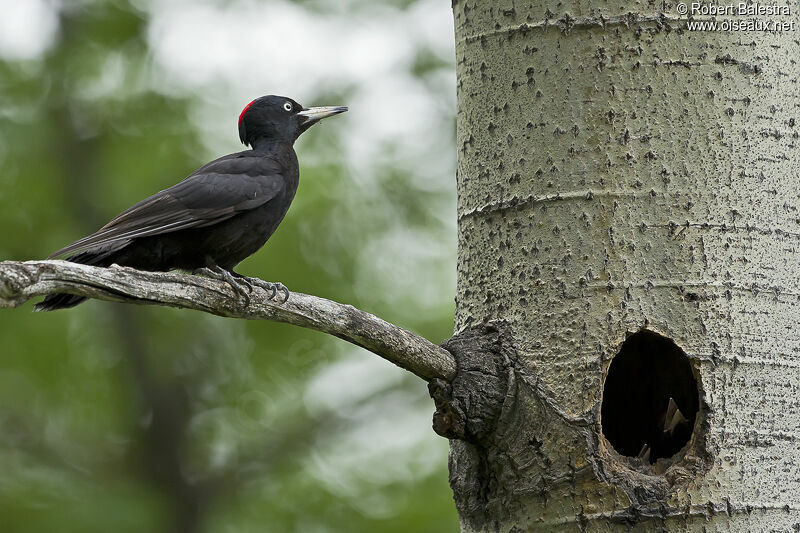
(650, 398)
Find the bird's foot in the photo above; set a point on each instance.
(234, 281)
(243, 285)
(273, 287)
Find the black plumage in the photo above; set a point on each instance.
(219, 215)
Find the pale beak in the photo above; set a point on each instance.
(315, 114)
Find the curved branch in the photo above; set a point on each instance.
(20, 281)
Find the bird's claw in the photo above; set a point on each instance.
(285, 291)
(273, 288)
(236, 283)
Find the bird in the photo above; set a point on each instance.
(216, 217)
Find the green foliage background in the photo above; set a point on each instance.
(120, 418)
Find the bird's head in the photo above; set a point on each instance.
(279, 118)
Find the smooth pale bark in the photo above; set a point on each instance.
(617, 172)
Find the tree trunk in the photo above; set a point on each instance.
(627, 271)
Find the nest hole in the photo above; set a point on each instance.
(650, 398)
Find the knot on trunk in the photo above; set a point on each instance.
(468, 406)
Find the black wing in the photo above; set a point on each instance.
(215, 192)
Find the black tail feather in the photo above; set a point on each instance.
(53, 302)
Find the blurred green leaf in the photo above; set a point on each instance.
(152, 419)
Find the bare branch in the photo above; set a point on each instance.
(20, 281)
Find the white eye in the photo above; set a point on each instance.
(287, 106)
